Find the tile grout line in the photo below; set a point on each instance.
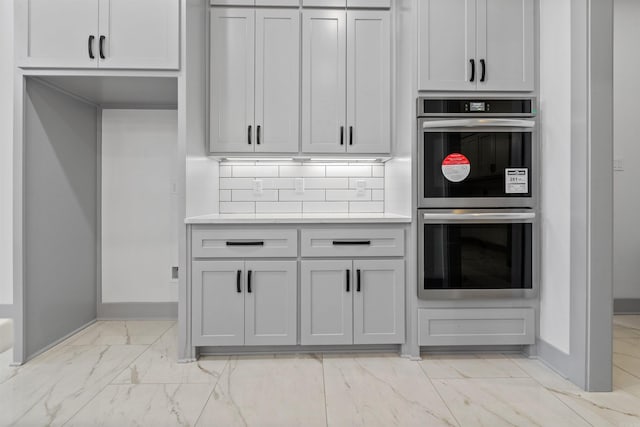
(116, 375)
(324, 392)
(438, 393)
(555, 396)
(226, 364)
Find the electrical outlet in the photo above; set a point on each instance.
(298, 183)
(618, 165)
(258, 187)
(361, 186)
(174, 273)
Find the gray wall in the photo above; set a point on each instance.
(60, 160)
(627, 149)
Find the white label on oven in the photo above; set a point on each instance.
(456, 167)
(516, 180)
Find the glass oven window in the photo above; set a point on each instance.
(478, 256)
(489, 155)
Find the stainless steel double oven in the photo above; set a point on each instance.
(478, 179)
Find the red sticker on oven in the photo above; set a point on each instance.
(456, 167)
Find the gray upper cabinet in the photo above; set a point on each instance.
(218, 307)
(326, 305)
(232, 78)
(368, 81)
(270, 303)
(98, 34)
(447, 44)
(56, 33)
(254, 75)
(378, 302)
(375, 4)
(346, 81)
(468, 45)
(505, 42)
(324, 79)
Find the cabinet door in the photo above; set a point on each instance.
(323, 81)
(277, 80)
(505, 43)
(378, 302)
(271, 303)
(326, 306)
(56, 33)
(447, 44)
(368, 81)
(217, 306)
(140, 34)
(231, 80)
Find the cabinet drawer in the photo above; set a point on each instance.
(483, 326)
(365, 242)
(256, 243)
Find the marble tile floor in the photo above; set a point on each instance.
(125, 374)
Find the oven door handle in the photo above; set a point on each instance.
(479, 217)
(479, 123)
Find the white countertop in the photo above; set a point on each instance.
(309, 218)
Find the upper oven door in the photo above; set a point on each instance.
(477, 163)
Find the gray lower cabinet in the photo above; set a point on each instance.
(244, 303)
(352, 302)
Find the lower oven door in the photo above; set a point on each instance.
(477, 254)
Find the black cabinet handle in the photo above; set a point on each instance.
(102, 46)
(249, 281)
(90, 47)
(245, 243)
(351, 242)
(473, 70)
(341, 135)
(238, 278)
(358, 280)
(348, 280)
(258, 135)
(350, 135)
(249, 135)
(484, 70)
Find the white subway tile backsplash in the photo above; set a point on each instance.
(366, 207)
(328, 188)
(308, 195)
(237, 207)
(371, 183)
(278, 207)
(326, 183)
(325, 207)
(255, 171)
(349, 171)
(377, 171)
(302, 171)
(251, 196)
(338, 195)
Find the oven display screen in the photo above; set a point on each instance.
(478, 107)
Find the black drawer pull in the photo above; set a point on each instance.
(341, 135)
(348, 280)
(351, 242)
(249, 135)
(350, 135)
(358, 280)
(238, 278)
(245, 243)
(473, 70)
(258, 135)
(484, 70)
(249, 281)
